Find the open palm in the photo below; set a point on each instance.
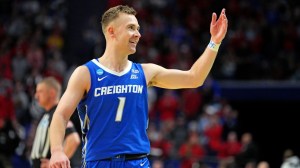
(218, 27)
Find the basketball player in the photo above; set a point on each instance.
(110, 93)
(47, 94)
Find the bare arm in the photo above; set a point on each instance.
(173, 79)
(78, 85)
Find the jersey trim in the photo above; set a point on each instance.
(127, 69)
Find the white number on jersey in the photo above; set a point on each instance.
(120, 109)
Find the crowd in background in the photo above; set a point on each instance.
(261, 34)
(188, 127)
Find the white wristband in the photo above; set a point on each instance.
(213, 46)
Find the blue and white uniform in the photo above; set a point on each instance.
(114, 113)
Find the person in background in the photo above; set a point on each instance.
(110, 93)
(263, 164)
(290, 160)
(249, 151)
(48, 92)
(11, 130)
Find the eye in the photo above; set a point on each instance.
(134, 27)
(131, 27)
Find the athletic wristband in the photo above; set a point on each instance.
(213, 46)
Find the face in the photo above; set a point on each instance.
(126, 31)
(42, 94)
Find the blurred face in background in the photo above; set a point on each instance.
(43, 95)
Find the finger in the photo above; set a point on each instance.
(44, 160)
(224, 19)
(65, 164)
(56, 165)
(68, 165)
(224, 26)
(44, 163)
(44, 166)
(222, 12)
(62, 165)
(213, 18)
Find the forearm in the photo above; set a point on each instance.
(57, 132)
(202, 66)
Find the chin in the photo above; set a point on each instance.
(132, 51)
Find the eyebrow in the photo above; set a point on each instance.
(137, 26)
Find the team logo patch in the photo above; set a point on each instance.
(135, 71)
(99, 71)
(133, 77)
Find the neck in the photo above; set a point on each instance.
(114, 62)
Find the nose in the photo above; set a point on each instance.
(138, 34)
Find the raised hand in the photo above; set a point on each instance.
(218, 27)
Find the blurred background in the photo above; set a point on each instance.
(245, 113)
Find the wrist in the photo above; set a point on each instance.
(57, 149)
(213, 46)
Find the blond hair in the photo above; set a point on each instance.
(113, 13)
(54, 84)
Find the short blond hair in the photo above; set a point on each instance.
(113, 13)
(54, 84)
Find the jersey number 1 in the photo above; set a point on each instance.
(120, 109)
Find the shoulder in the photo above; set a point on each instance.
(149, 66)
(80, 77)
(80, 72)
(150, 70)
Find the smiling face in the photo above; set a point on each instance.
(126, 33)
(121, 29)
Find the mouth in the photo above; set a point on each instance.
(133, 42)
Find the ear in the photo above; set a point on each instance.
(110, 31)
(52, 92)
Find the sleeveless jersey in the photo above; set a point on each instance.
(114, 113)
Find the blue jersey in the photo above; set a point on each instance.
(114, 113)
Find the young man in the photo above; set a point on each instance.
(110, 94)
(48, 93)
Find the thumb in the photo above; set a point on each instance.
(213, 19)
